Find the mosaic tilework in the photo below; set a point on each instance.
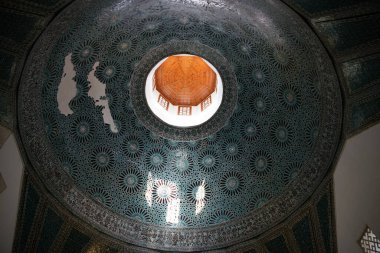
(5, 107)
(50, 214)
(43, 8)
(250, 251)
(6, 65)
(349, 33)
(362, 73)
(303, 236)
(369, 242)
(210, 159)
(99, 248)
(76, 242)
(279, 123)
(16, 26)
(31, 202)
(50, 229)
(365, 112)
(331, 3)
(154, 124)
(45, 2)
(323, 5)
(325, 222)
(277, 245)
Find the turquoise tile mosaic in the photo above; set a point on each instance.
(47, 3)
(254, 163)
(250, 251)
(277, 245)
(50, 229)
(6, 66)
(28, 215)
(365, 112)
(362, 73)
(351, 32)
(76, 242)
(303, 235)
(16, 26)
(324, 217)
(6, 116)
(324, 5)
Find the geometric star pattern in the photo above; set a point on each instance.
(369, 242)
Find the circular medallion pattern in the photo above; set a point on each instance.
(130, 180)
(257, 160)
(155, 124)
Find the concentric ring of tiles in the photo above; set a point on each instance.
(153, 123)
(267, 159)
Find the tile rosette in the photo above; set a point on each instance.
(153, 123)
(272, 152)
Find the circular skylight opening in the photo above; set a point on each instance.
(184, 90)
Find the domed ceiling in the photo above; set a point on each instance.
(93, 140)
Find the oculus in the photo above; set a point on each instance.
(262, 154)
(159, 109)
(184, 90)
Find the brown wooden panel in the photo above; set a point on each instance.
(185, 80)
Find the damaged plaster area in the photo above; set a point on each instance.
(67, 87)
(98, 93)
(67, 91)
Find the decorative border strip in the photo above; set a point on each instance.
(45, 164)
(154, 124)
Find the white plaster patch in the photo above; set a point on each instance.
(67, 87)
(98, 93)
